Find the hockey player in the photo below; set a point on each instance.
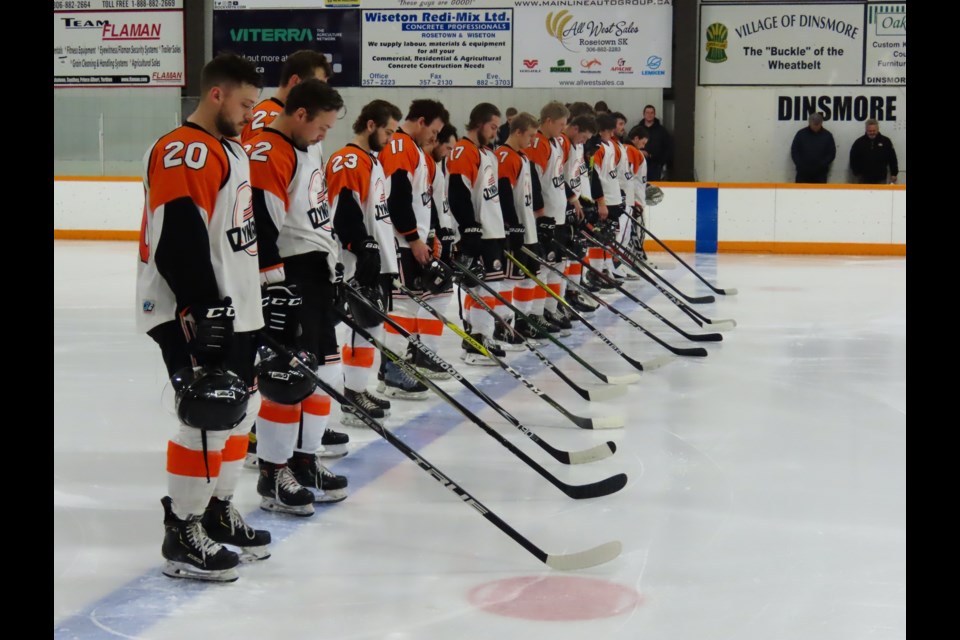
(358, 202)
(579, 129)
(298, 270)
(408, 175)
(518, 200)
(199, 299)
(546, 155)
(475, 204)
(631, 234)
(605, 183)
(299, 66)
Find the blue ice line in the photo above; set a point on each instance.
(151, 595)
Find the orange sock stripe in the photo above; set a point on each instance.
(469, 303)
(235, 448)
(317, 405)
(594, 253)
(525, 295)
(410, 324)
(539, 294)
(279, 413)
(553, 287)
(189, 462)
(358, 356)
(574, 269)
(429, 327)
(507, 295)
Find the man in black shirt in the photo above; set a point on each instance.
(813, 150)
(871, 155)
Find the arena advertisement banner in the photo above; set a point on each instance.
(103, 44)
(437, 47)
(886, 59)
(267, 37)
(782, 44)
(593, 43)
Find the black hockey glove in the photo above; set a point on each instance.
(546, 228)
(470, 241)
(515, 238)
(368, 262)
(209, 330)
(281, 311)
(446, 237)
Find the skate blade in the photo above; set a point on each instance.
(271, 505)
(433, 375)
(250, 555)
(251, 462)
(333, 452)
(477, 359)
(400, 394)
(182, 570)
(333, 495)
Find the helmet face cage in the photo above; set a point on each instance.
(361, 311)
(212, 399)
(653, 195)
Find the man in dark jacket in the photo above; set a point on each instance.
(813, 150)
(871, 155)
(504, 131)
(659, 149)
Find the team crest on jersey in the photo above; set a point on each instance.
(243, 235)
(148, 306)
(319, 213)
(575, 182)
(382, 212)
(490, 192)
(627, 175)
(425, 198)
(613, 174)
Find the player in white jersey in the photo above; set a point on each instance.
(298, 270)
(605, 182)
(519, 197)
(579, 129)
(474, 198)
(408, 198)
(547, 156)
(633, 235)
(358, 201)
(199, 298)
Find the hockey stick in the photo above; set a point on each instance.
(628, 378)
(690, 299)
(696, 316)
(609, 422)
(594, 394)
(702, 337)
(655, 363)
(562, 562)
(732, 291)
(596, 489)
(698, 352)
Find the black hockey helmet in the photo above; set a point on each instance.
(653, 195)
(362, 310)
(281, 383)
(210, 398)
(436, 277)
(474, 265)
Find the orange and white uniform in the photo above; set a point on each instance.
(547, 157)
(476, 168)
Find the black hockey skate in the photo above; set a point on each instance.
(325, 485)
(334, 444)
(281, 493)
(224, 524)
(349, 415)
(191, 553)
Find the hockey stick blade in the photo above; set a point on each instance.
(599, 452)
(604, 422)
(600, 394)
(659, 361)
(732, 291)
(585, 559)
(594, 489)
(721, 325)
(632, 378)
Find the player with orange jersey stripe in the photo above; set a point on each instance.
(361, 219)
(638, 140)
(299, 66)
(199, 299)
(408, 184)
(473, 194)
(578, 130)
(298, 269)
(546, 154)
(519, 197)
(605, 186)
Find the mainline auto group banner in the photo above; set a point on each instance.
(96, 43)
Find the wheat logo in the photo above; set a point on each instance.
(556, 24)
(717, 43)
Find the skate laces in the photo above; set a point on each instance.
(406, 380)
(287, 481)
(199, 539)
(236, 522)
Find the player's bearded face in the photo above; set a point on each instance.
(378, 139)
(488, 132)
(236, 109)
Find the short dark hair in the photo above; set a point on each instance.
(429, 110)
(229, 68)
(380, 111)
(523, 121)
(619, 116)
(649, 106)
(638, 131)
(511, 111)
(315, 96)
(580, 109)
(601, 106)
(482, 114)
(585, 123)
(445, 133)
(606, 122)
(303, 63)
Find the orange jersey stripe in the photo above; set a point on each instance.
(190, 163)
(464, 160)
(349, 168)
(401, 152)
(272, 164)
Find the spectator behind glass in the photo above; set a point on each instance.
(871, 155)
(504, 131)
(659, 149)
(813, 150)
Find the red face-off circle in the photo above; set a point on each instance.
(554, 598)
